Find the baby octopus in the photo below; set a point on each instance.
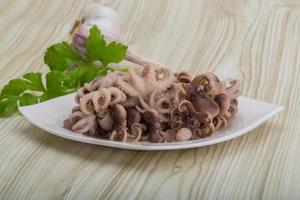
(154, 104)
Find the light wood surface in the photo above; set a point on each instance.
(258, 41)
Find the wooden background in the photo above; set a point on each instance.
(258, 41)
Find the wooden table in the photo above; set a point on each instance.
(258, 41)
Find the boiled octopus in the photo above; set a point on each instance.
(154, 104)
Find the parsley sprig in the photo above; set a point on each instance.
(68, 71)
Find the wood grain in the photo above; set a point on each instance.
(257, 41)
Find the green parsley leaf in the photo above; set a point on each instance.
(61, 56)
(84, 74)
(98, 49)
(56, 82)
(36, 80)
(8, 107)
(17, 91)
(30, 81)
(114, 53)
(28, 99)
(95, 44)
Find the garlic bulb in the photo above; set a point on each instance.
(106, 19)
(109, 22)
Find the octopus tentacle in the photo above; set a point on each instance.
(84, 125)
(136, 131)
(101, 99)
(119, 116)
(130, 102)
(117, 95)
(152, 98)
(126, 87)
(136, 81)
(186, 105)
(76, 108)
(80, 93)
(111, 79)
(163, 105)
(204, 131)
(183, 77)
(233, 107)
(118, 135)
(180, 92)
(207, 83)
(144, 105)
(164, 79)
(149, 74)
(86, 104)
(106, 122)
(233, 88)
(223, 102)
(94, 85)
(73, 118)
(220, 122)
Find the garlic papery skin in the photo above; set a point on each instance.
(109, 22)
(106, 19)
(94, 10)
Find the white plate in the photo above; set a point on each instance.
(49, 116)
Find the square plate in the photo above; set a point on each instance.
(49, 116)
